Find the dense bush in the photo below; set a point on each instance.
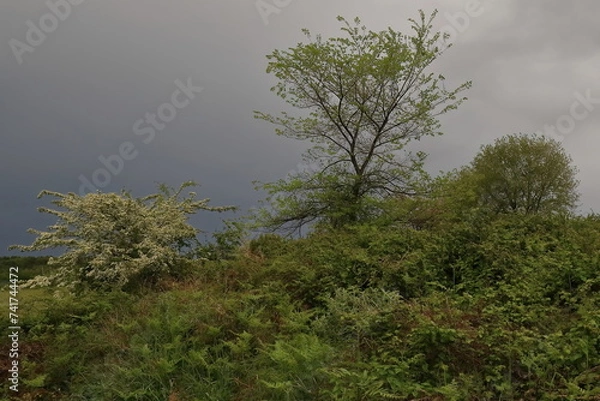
(115, 240)
(506, 308)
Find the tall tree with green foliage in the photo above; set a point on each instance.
(527, 174)
(366, 95)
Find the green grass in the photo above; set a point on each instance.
(31, 300)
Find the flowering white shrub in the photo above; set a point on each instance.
(112, 239)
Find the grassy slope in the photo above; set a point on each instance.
(506, 311)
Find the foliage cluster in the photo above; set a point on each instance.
(482, 286)
(115, 240)
(503, 308)
(366, 96)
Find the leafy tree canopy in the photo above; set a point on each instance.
(366, 95)
(527, 174)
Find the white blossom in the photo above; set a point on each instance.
(112, 239)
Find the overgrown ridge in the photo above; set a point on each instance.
(499, 309)
(481, 283)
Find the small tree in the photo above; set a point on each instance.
(114, 239)
(366, 95)
(528, 174)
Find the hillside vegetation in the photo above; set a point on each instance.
(495, 307)
(479, 284)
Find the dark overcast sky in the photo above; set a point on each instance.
(79, 93)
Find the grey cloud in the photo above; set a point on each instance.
(77, 96)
